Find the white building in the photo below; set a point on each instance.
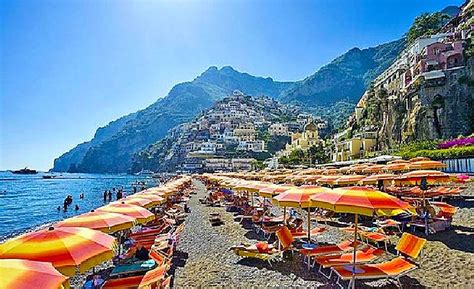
(278, 129)
(253, 146)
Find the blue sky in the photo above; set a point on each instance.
(69, 67)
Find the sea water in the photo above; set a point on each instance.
(28, 201)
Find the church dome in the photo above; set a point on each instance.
(310, 127)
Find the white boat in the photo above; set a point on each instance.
(145, 173)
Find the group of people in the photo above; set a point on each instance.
(119, 193)
(68, 201)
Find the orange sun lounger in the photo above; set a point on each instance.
(285, 239)
(362, 256)
(409, 245)
(304, 234)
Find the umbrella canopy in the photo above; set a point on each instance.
(397, 167)
(25, 274)
(144, 203)
(348, 180)
(298, 197)
(141, 215)
(417, 159)
(273, 190)
(328, 180)
(373, 169)
(67, 248)
(360, 200)
(415, 177)
(427, 165)
(373, 179)
(102, 221)
(156, 200)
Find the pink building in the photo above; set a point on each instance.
(442, 56)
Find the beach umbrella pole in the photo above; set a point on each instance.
(309, 226)
(356, 221)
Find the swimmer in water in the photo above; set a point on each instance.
(77, 208)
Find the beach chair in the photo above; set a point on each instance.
(409, 247)
(123, 283)
(365, 255)
(285, 240)
(303, 234)
(336, 249)
(376, 237)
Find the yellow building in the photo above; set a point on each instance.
(355, 147)
(303, 141)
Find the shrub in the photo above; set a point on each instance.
(465, 141)
(439, 154)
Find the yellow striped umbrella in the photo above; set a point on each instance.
(142, 215)
(101, 221)
(156, 200)
(25, 274)
(144, 203)
(360, 201)
(67, 248)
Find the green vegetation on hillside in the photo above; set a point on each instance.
(426, 24)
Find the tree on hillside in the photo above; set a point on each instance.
(426, 24)
(317, 155)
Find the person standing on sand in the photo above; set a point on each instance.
(119, 194)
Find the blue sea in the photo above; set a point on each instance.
(27, 201)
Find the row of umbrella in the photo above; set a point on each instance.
(352, 200)
(44, 258)
(397, 166)
(410, 178)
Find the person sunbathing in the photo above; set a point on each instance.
(259, 247)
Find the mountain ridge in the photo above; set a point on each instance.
(113, 146)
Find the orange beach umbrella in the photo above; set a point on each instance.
(273, 190)
(360, 200)
(373, 179)
(415, 177)
(25, 274)
(299, 197)
(142, 215)
(103, 221)
(67, 248)
(349, 180)
(427, 165)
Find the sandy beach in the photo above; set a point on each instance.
(204, 259)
